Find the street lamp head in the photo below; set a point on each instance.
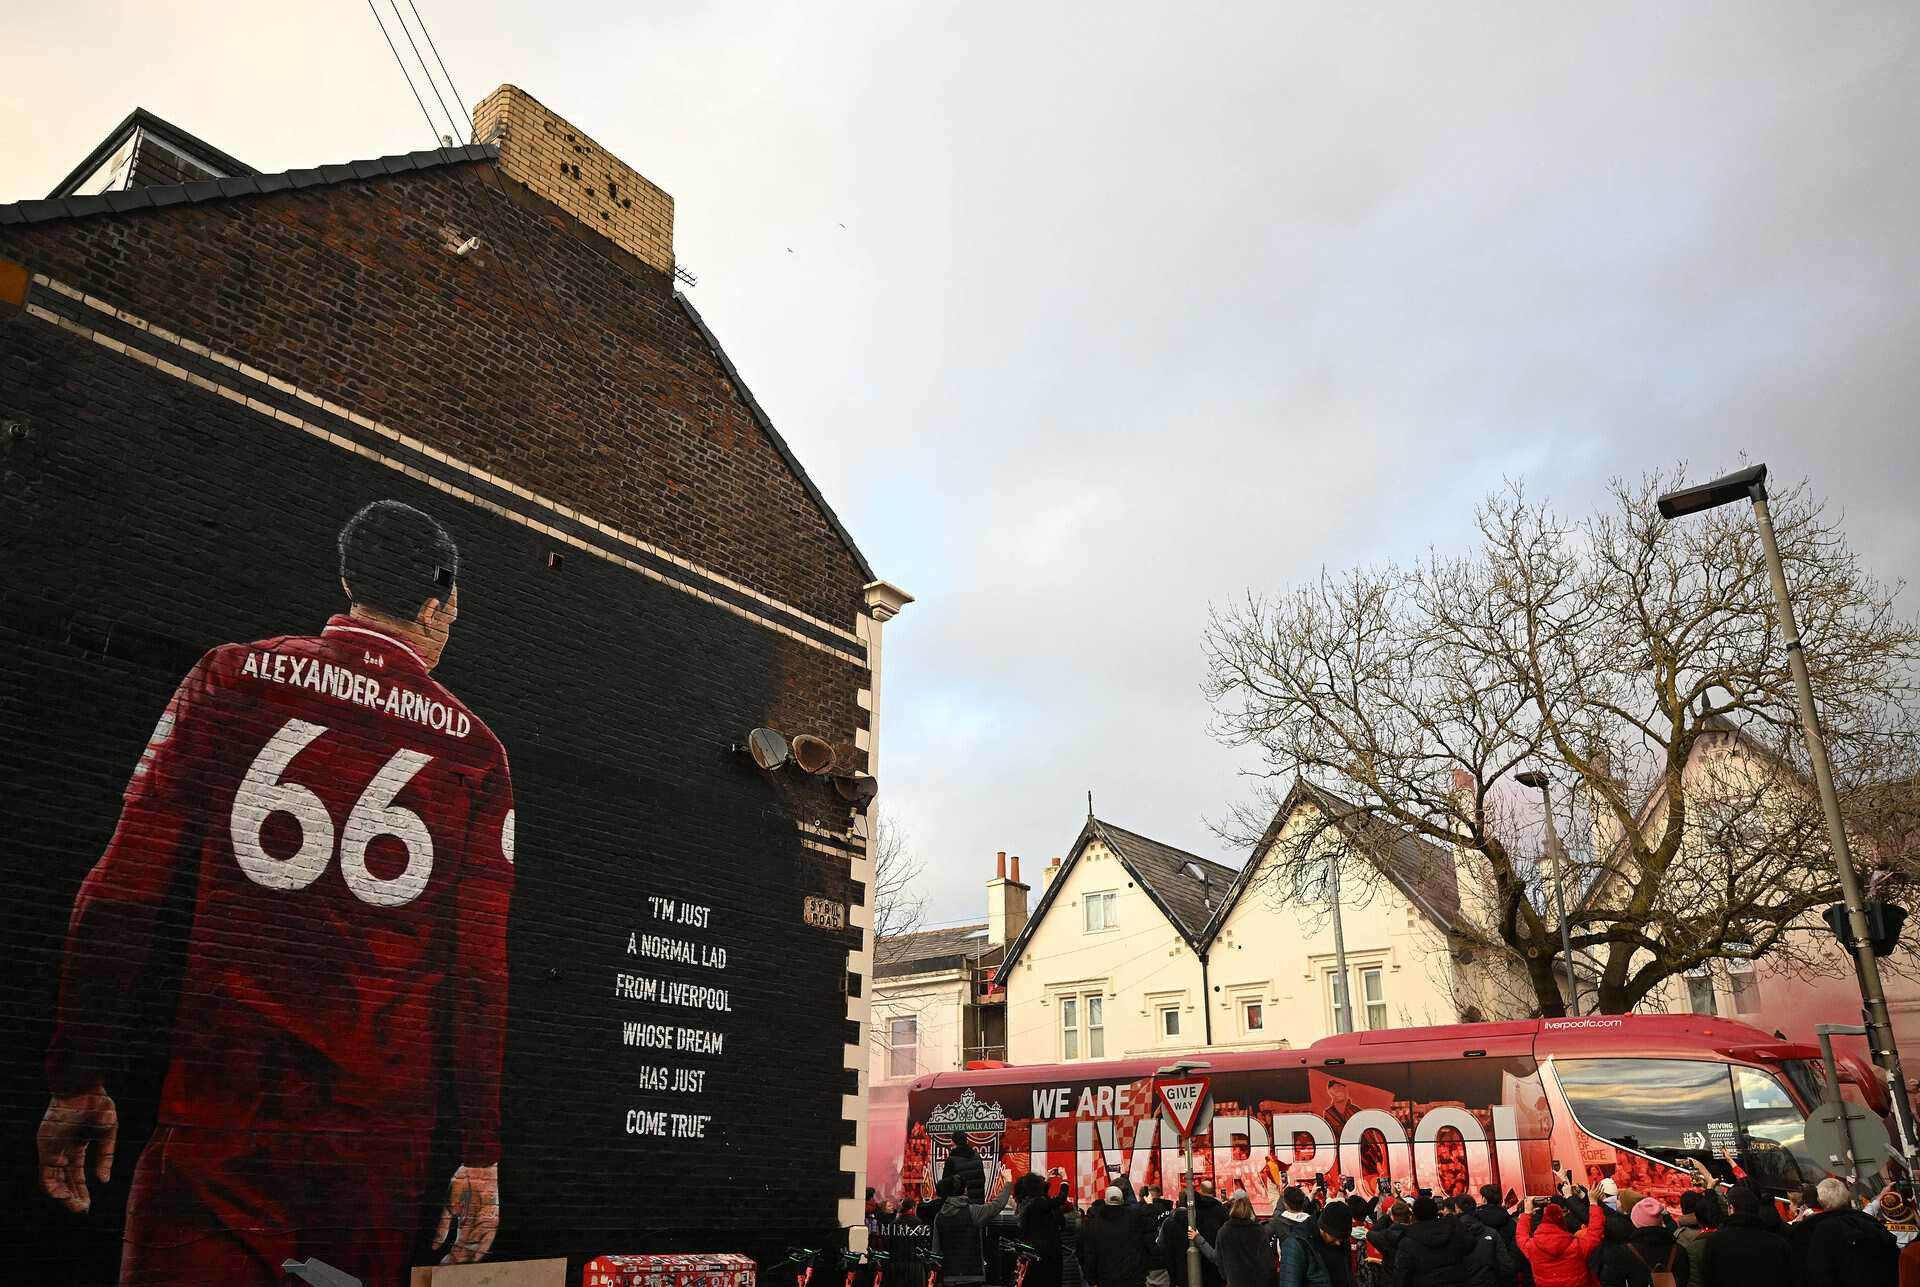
(1184, 1067)
(1532, 778)
(1745, 484)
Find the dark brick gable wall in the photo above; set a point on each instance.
(144, 520)
(538, 355)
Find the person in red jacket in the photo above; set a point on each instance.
(344, 828)
(1557, 1254)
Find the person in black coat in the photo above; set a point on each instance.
(1744, 1251)
(957, 1231)
(1652, 1242)
(1113, 1239)
(1240, 1248)
(1386, 1235)
(1173, 1239)
(1438, 1253)
(964, 1164)
(1846, 1247)
(1039, 1207)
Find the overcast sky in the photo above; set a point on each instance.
(1138, 306)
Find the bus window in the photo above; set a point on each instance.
(1668, 1108)
(1775, 1130)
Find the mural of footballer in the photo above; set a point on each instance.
(345, 827)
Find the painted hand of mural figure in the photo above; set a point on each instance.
(472, 1214)
(74, 1129)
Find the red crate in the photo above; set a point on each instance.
(721, 1270)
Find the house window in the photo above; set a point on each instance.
(1366, 999)
(1746, 986)
(1700, 991)
(1083, 1026)
(1373, 995)
(1253, 1017)
(1169, 1022)
(1339, 1008)
(903, 1047)
(1101, 911)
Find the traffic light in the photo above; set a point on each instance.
(1884, 921)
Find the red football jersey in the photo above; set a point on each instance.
(348, 828)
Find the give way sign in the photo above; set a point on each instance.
(1182, 1098)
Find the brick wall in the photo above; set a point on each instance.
(205, 393)
(556, 159)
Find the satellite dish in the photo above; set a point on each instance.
(813, 754)
(768, 749)
(857, 789)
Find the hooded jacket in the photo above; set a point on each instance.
(1559, 1256)
(957, 1224)
(1440, 1253)
(1302, 1265)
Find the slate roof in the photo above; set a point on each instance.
(244, 185)
(925, 951)
(1168, 875)
(1165, 873)
(1419, 868)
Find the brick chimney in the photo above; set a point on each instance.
(555, 159)
(1049, 873)
(1006, 903)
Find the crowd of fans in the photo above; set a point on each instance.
(1608, 1237)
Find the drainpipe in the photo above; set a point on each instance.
(1206, 1000)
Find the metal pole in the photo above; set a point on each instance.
(1556, 854)
(1879, 1023)
(1193, 1221)
(1826, 1031)
(1343, 1004)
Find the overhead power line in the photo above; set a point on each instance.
(451, 87)
(400, 62)
(453, 126)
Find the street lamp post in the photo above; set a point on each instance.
(1184, 1068)
(1556, 855)
(1751, 484)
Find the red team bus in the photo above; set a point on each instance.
(1632, 1097)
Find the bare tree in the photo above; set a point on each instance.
(898, 906)
(1635, 662)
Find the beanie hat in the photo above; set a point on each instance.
(1553, 1214)
(1647, 1213)
(1629, 1199)
(1425, 1208)
(1608, 1189)
(1337, 1220)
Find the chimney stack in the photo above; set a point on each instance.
(554, 159)
(1048, 873)
(1006, 903)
